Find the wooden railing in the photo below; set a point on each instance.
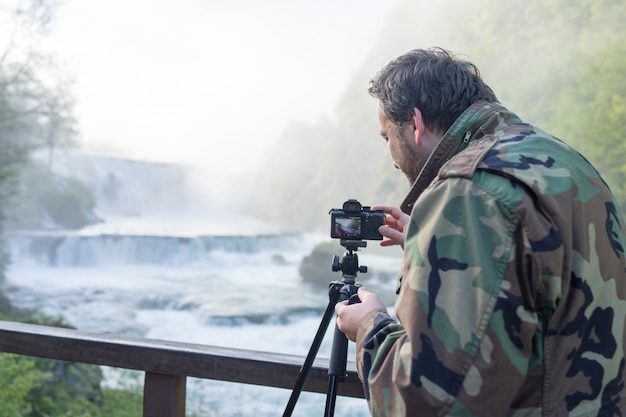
(168, 364)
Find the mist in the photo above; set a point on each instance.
(533, 56)
(210, 84)
(265, 104)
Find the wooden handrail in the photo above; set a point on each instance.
(167, 364)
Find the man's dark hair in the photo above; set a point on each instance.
(440, 85)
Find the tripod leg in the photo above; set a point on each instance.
(338, 355)
(336, 370)
(317, 342)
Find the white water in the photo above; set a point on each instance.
(170, 274)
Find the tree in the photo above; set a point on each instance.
(35, 105)
(35, 102)
(593, 112)
(559, 65)
(18, 378)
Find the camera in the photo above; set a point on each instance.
(356, 222)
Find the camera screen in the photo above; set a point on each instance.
(348, 227)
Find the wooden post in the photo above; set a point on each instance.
(164, 395)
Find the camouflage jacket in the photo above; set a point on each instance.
(513, 286)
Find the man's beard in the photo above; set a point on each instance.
(411, 163)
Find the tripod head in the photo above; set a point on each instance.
(349, 264)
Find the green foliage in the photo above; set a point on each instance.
(31, 387)
(126, 399)
(34, 387)
(53, 201)
(13, 154)
(18, 378)
(44, 388)
(72, 389)
(36, 108)
(593, 114)
(121, 403)
(559, 65)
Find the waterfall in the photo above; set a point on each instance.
(74, 249)
(127, 187)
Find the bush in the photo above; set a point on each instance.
(127, 399)
(18, 378)
(71, 389)
(51, 201)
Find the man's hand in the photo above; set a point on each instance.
(394, 227)
(349, 316)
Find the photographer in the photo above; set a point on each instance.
(512, 290)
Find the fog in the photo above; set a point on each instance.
(532, 54)
(273, 94)
(207, 83)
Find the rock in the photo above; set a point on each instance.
(317, 267)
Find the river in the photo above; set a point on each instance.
(160, 272)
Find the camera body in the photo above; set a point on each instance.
(355, 222)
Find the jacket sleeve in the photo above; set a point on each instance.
(468, 327)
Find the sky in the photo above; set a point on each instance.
(208, 82)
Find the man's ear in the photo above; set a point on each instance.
(418, 124)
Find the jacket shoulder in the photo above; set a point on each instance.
(465, 163)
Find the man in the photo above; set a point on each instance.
(513, 286)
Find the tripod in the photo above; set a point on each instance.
(338, 291)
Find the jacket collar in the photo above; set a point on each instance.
(477, 120)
